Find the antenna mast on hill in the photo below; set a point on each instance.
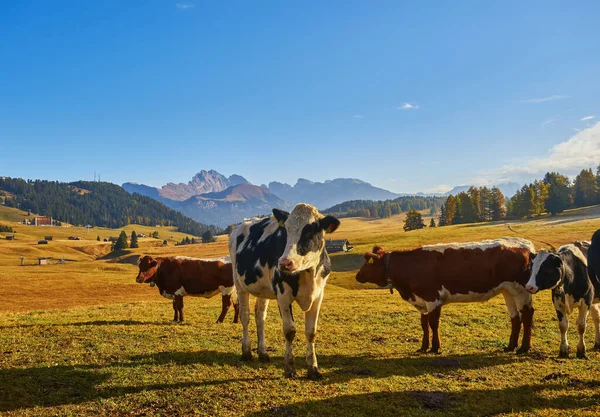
(99, 177)
(94, 175)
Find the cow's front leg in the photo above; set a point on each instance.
(244, 299)
(526, 310)
(425, 327)
(434, 323)
(175, 311)
(260, 313)
(289, 331)
(563, 325)
(595, 312)
(515, 322)
(581, 323)
(311, 320)
(225, 303)
(178, 308)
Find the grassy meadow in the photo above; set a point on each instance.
(82, 338)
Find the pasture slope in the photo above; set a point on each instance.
(82, 338)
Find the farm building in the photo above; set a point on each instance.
(10, 237)
(41, 221)
(42, 242)
(48, 237)
(141, 235)
(342, 245)
(74, 238)
(42, 261)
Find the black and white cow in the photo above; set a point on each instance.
(565, 273)
(282, 257)
(593, 259)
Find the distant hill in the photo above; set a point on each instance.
(201, 183)
(329, 193)
(95, 203)
(231, 205)
(508, 189)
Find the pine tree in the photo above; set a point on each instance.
(121, 242)
(134, 240)
(208, 237)
(559, 196)
(413, 221)
(442, 219)
(98, 238)
(432, 222)
(497, 204)
(450, 210)
(585, 188)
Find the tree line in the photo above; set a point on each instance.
(552, 194)
(96, 203)
(387, 208)
(555, 193)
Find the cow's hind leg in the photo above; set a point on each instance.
(175, 311)
(434, 323)
(581, 323)
(595, 312)
(225, 303)
(311, 320)
(515, 321)
(178, 308)
(425, 327)
(525, 306)
(260, 312)
(244, 299)
(236, 311)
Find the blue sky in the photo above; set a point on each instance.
(407, 97)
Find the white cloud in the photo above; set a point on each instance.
(408, 106)
(438, 189)
(549, 122)
(583, 119)
(580, 151)
(357, 116)
(545, 99)
(185, 6)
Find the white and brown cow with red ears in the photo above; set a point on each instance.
(435, 275)
(282, 257)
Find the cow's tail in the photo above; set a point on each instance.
(509, 227)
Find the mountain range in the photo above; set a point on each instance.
(212, 198)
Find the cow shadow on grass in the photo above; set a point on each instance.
(339, 368)
(467, 402)
(93, 323)
(23, 388)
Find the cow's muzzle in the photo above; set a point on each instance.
(531, 289)
(287, 265)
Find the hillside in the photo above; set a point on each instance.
(94, 203)
(232, 205)
(370, 208)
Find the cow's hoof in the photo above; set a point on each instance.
(422, 350)
(435, 351)
(509, 349)
(523, 350)
(246, 357)
(563, 354)
(219, 321)
(263, 357)
(581, 355)
(289, 373)
(597, 346)
(314, 374)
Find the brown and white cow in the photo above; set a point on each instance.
(179, 276)
(283, 257)
(435, 275)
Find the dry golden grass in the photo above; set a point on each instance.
(82, 338)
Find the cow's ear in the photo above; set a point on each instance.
(281, 216)
(329, 224)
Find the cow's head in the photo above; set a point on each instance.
(373, 270)
(546, 272)
(148, 267)
(305, 228)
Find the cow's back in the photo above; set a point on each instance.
(255, 248)
(463, 269)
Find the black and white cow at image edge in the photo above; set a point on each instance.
(282, 257)
(565, 273)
